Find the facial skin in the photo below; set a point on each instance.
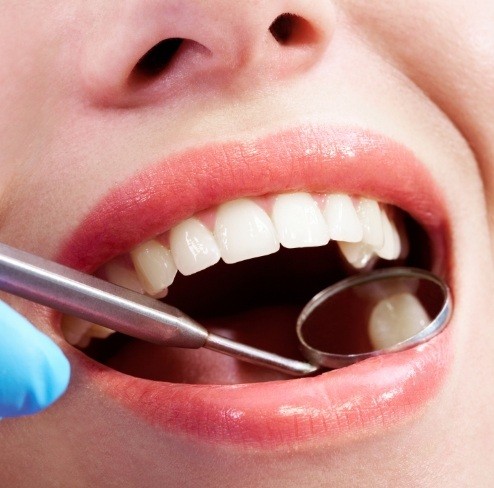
(76, 120)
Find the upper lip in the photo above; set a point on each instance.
(318, 159)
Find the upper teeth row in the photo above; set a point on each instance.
(247, 228)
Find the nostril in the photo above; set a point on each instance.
(157, 59)
(290, 29)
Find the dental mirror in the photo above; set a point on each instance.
(371, 314)
(367, 315)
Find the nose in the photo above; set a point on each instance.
(142, 49)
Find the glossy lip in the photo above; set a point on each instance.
(375, 393)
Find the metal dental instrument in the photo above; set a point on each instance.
(143, 317)
(358, 297)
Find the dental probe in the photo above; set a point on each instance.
(95, 300)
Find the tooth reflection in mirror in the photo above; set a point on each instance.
(396, 319)
(383, 311)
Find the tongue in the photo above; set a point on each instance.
(270, 328)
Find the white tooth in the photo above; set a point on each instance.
(79, 332)
(193, 247)
(370, 217)
(99, 332)
(121, 275)
(391, 248)
(74, 329)
(298, 221)
(358, 254)
(342, 218)
(396, 319)
(243, 230)
(154, 265)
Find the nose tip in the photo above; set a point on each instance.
(203, 43)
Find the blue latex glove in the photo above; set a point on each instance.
(33, 370)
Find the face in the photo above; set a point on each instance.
(137, 132)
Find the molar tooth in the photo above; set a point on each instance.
(391, 248)
(298, 221)
(154, 266)
(395, 319)
(358, 254)
(193, 247)
(121, 275)
(243, 230)
(342, 218)
(370, 216)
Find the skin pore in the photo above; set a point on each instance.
(78, 118)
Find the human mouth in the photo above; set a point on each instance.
(245, 229)
(296, 204)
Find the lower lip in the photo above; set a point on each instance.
(368, 396)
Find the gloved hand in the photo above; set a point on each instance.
(33, 370)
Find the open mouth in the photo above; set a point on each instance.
(240, 235)
(245, 269)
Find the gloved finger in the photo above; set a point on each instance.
(33, 370)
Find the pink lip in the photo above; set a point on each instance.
(373, 394)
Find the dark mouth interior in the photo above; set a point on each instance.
(255, 302)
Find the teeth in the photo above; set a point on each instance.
(370, 216)
(124, 276)
(193, 247)
(358, 254)
(391, 248)
(155, 266)
(243, 230)
(396, 319)
(298, 221)
(342, 219)
(74, 329)
(78, 332)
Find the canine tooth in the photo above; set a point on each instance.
(395, 319)
(154, 266)
(121, 275)
(298, 221)
(370, 216)
(243, 230)
(342, 218)
(193, 247)
(391, 248)
(358, 254)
